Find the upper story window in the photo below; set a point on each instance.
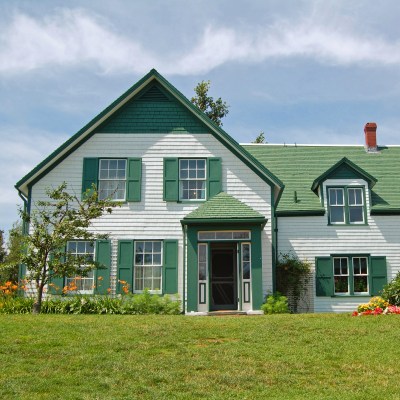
(346, 205)
(112, 179)
(192, 179)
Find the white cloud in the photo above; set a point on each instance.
(77, 38)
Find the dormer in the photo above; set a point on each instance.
(344, 190)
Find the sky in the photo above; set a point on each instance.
(302, 72)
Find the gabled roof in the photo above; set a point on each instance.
(88, 130)
(346, 168)
(223, 208)
(299, 166)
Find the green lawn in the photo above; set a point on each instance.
(178, 357)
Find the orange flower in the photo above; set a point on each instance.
(125, 289)
(109, 290)
(100, 278)
(8, 283)
(123, 282)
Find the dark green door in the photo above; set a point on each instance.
(223, 277)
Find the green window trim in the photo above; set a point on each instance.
(126, 265)
(172, 189)
(346, 206)
(325, 278)
(133, 176)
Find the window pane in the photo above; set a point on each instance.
(360, 284)
(157, 259)
(355, 196)
(337, 214)
(356, 214)
(364, 268)
(148, 247)
(192, 164)
(341, 284)
(139, 259)
(223, 235)
(246, 270)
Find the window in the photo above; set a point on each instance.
(112, 179)
(350, 275)
(147, 265)
(346, 274)
(84, 284)
(346, 205)
(192, 179)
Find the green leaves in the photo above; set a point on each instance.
(215, 110)
(54, 222)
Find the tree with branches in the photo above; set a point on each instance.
(54, 222)
(214, 109)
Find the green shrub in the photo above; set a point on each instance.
(275, 304)
(391, 291)
(144, 303)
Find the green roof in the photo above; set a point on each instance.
(298, 167)
(223, 207)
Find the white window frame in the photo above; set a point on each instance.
(100, 179)
(342, 275)
(188, 179)
(360, 274)
(80, 280)
(137, 266)
(346, 206)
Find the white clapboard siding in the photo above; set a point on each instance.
(152, 218)
(310, 237)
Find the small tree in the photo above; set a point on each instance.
(215, 110)
(10, 262)
(55, 222)
(260, 139)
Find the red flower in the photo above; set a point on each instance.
(355, 314)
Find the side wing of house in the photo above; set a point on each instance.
(340, 212)
(196, 208)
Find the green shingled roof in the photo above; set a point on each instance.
(224, 207)
(298, 166)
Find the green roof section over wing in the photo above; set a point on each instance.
(300, 166)
(344, 169)
(223, 208)
(153, 93)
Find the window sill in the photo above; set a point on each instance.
(351, 295)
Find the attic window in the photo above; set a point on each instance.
(346, 205)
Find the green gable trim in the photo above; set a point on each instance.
(152, 112)
(89, 129)
(344, 169)
(224, 208)
(385, 211)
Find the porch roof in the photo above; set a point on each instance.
(224, 207)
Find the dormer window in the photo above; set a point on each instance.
(346, 205)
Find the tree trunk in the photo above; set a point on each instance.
(37, 305)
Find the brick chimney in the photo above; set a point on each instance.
(370, 137)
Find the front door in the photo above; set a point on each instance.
(223, 277)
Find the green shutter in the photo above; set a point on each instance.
(125, 263)
(171, 180)
(214, 180)
(90, 173)
(57, 282)
(103, 256)
(324, 276)
(134, 179)
(170, 268)
(378, 274)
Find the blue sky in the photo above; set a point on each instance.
(302, 72)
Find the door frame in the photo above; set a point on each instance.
(233, 246)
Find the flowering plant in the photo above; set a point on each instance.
(376, 306)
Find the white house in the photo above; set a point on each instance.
(205, 217)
